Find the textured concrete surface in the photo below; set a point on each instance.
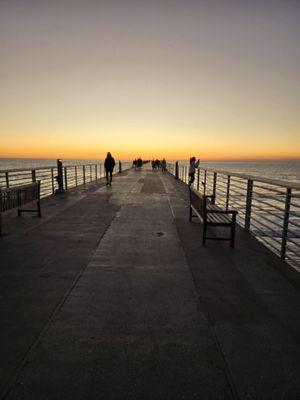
(111, 296)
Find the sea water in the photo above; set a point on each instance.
(286, 170)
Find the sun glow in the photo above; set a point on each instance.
(139, 83)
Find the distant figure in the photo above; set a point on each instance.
(109, 165)
(193, 166)
(163, 165)
(155, 164)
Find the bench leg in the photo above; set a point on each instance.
(39, 209)
(204, 235)
(232, 236)
(232, 231)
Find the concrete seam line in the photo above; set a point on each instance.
(227, 370)
(55, 311)
(57, 308)
(167, 195)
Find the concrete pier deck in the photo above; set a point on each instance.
(112, 296)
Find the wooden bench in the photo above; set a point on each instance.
(211, 215)
(17, 196)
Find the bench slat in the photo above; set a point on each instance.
(218, 218)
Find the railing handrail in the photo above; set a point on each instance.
(26, 169)
(3, 171)
(84, 165)
(275, 182)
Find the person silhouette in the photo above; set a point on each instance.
(109, 165)
(192, 168)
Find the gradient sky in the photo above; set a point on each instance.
(217, 79)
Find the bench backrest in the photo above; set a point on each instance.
(19, 195)
(200, 202)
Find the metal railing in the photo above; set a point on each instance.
(268, 209)
(71, 175)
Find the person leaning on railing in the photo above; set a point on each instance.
(192, 169)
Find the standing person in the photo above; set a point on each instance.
(109, 165)
(163, 165)
(193, 166)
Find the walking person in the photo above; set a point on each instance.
(109, 165)
(192, 169)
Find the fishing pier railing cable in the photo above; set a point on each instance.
(57, 178)
(269, 209)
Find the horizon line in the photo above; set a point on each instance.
(172, 159)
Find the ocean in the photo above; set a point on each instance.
(286, 170)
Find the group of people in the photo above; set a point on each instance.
(109, 165)
(157, 164)
(137, 162)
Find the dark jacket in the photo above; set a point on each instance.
(109, 164)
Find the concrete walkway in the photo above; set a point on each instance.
(112, 296)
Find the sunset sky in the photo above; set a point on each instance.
(218, 79)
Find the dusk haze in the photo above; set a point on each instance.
(149, 199)
(157, 78)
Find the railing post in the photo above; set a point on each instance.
(83, 173)
(76, 178)
(66, 178)
(60, 180)
(33, 175)
(204, 182)
(120, 167)
(198, 179)
(286, 222)
(52, 180)
(228, 192)
(96, 175)
(248, 204)
(7, 179)
(100, 170)
(90, 172)
(214, 188)
(176, 170)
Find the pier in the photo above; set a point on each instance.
(110, 295)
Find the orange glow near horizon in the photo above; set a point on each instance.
(150, 79)
(121, 154)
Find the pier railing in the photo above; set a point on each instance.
(72, 176)
(269, 209)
